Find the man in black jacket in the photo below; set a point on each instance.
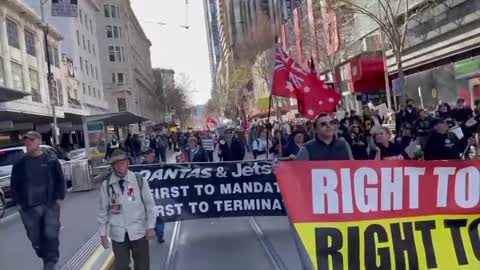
(38, 186)
(230, 149)
(443, 144)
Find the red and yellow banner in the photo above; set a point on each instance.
(356, 215)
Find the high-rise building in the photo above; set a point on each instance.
(125, 60)
(213, 39)
(81, 49)
(164, 82)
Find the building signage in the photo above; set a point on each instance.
(467, 69)
(65, 8)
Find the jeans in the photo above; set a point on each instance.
(140, 253)
(42, 224)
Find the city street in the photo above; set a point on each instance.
(78, 225)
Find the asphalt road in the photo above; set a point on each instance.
(78, 224)
(265, 243)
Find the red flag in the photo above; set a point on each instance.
(315, 96)
(212, 123)
(281, 83)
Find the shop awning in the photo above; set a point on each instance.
(116, 119)
(367, 73)
(8, 94)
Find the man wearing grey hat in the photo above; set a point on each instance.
(127, 211)
(38, 186)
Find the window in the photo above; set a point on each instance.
(122, 104)
(91, 26)
(2, 73)
(120, 32)
(106, 10)
(96, 73)
(123, 53)
(94, 92)
(35, 85)
(56, 59)
(111, 53)
(93, 48)
(81, 64)
(86, 21)
(30, 43)
(12, 34)
(86, 66)
(91, 69)
(118, 53)
(78, 38)
(114, 78)
(99, 93)
(83, 38)
(118, 12)
(89, 48)
(81, 17)
(56, 93)
(89, 90)
(114, 11)
(120, 78)
(84, 89)
(109, 31)
(115, 32)
(17, 74)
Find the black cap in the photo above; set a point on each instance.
(437, 121)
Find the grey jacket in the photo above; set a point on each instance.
(137, 214)
(315, 149)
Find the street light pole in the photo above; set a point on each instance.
(53, 103)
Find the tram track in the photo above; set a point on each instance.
(174, 250)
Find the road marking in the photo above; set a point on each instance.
(108, 263)
(9, 217)
(91, 261)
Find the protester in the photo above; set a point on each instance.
(341, 130)
(406, 115)
(160, 144)
(279, 147)
(149, 157)
(230, 149)
(358, 142)
(325, 146)
(405, 136)
(127, 212)
(196, 153)
(422, 126)
(461, 113)
(386, 149)
(260, 146)
(443, 144)
(136, 150)
(296, 142)
(38, 187)
(443, 111)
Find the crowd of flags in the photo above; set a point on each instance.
(314, 96)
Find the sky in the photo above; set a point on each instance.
(185, 51)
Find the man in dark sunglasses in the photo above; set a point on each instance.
(325, 145)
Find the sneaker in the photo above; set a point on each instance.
(161, 241)
(49, 266)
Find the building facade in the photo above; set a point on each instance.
(164, 81)
(81, 50)
(125, 61)
(23, 68)
(441, 60)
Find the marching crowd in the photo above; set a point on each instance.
(38, 185)
(443, 134)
